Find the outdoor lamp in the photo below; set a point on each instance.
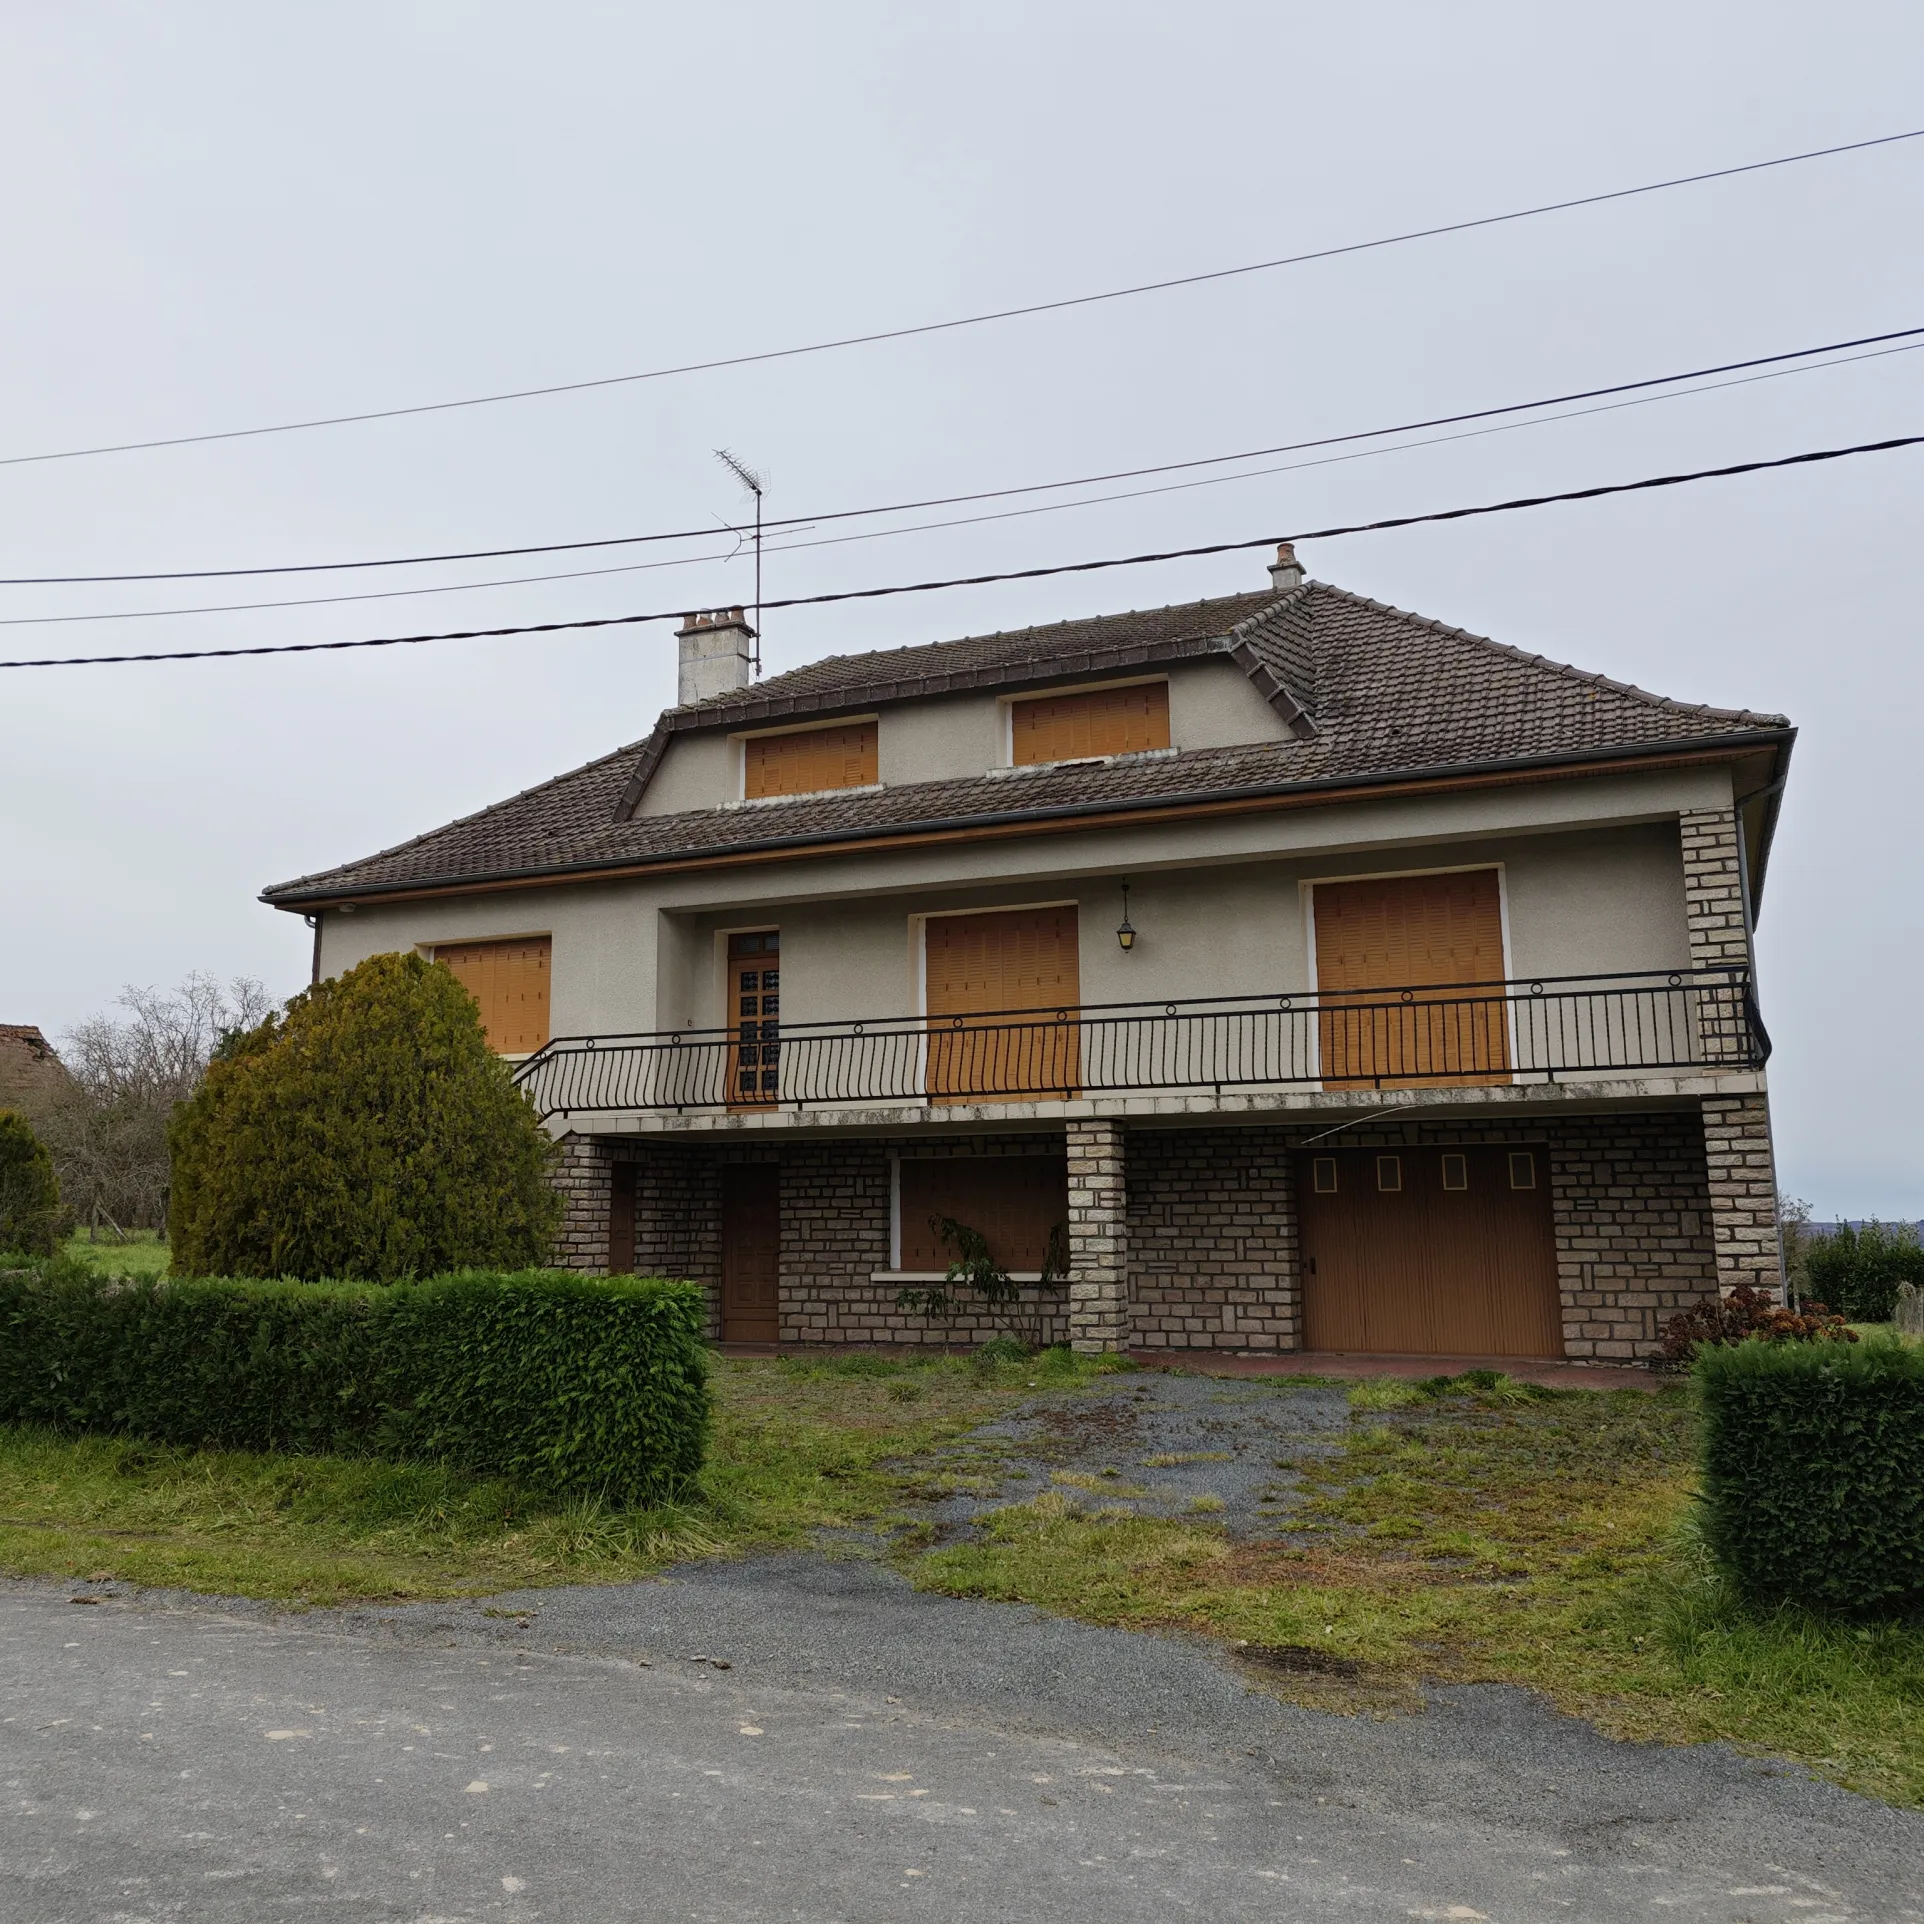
(1125, 931)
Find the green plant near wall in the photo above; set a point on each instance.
(972, 1267)
(367, 1133)
(31, 1218)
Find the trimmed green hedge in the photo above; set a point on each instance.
(582, 1385)
(1813, 1468)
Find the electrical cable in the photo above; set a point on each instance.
(985, 494)
(968, 320)
(1013, 574)
(964, 521)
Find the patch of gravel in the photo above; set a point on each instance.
(1156, 1443)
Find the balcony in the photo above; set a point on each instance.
(1454, 1035)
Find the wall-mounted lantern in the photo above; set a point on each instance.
(1125, 931)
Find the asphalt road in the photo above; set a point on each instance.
(866, 1754)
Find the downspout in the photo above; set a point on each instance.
(314, 974)
(1737, 808)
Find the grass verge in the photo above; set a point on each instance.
(141, 1252)
(1495, 1532)
(801, 1446)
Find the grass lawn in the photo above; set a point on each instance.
(1505, 1534)
(1493, 1532)
(141, 1253)
(800, 1446)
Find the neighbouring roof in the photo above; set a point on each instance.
(29, 1065)
(1369, 694)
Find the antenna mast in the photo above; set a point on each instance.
(754, 483)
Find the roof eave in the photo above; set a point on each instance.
(1696, 748)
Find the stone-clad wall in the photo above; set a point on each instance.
(1212, 1240)
(1211, 1235)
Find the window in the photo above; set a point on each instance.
(1440, 936)
(510, 982)
(1323, 1175)
(754, 1015)
(989, 966)
(1095, 721)
(1456, 1172)
(1523, 1169)
(1017, 1202)
(1389, 1173)
(808, 760)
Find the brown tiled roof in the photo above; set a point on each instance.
(1370, 694)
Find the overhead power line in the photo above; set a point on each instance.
(968, 320)
(1013, 574)
(792, 546)
(777, 524)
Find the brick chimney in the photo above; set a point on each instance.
(1286, 572)
(717, 654)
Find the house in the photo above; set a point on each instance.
(1340, 979)
(30, 1069)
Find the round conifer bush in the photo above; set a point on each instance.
(368, 1133)
(30, 1213)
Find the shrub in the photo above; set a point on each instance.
(30, 1213)
(370, 1133)
(1747, 1315)
(1810, 1457)
(1858, 1270)
(588, 1385)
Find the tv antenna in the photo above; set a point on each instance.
(754, 483)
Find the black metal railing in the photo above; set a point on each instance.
(1467, 1033)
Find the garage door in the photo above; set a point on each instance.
(1429, 1252)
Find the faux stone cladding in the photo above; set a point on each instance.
(1714, 888)
(1203, 1252)
(1212, 1240)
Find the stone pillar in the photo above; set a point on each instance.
(1743, 1191)
(1714, 888)
(1098, 1238)
(587, 1197)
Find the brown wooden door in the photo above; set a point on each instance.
(1387, 954)
(751, 1253)
(987, 965)
(621, 1218)
(1429, 1252)
(754, 1020)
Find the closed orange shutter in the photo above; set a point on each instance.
(986, 965)
(1015, 1201)
(813, 759)
(510, 982)
(1099, 721)
(1429, 933)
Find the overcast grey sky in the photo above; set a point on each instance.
(226, 215)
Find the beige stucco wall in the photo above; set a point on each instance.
(1592, 879)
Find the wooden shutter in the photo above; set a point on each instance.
(1097, 721)
(988, 965)
(510, 982)
(1422, 933)
(1015, 1201)
(814, 758)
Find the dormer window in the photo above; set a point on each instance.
(804, 761)
(1083, 723)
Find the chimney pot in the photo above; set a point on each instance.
(1286, 572)
(717, 654)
